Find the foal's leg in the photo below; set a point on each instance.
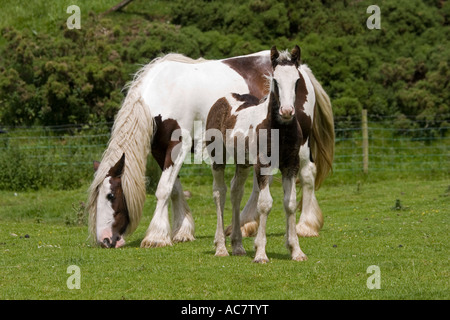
(311, 219)
(219, 195)
(158, 233)
(290, 204)
(237, 191)
(264, 206)
(249, 216)
(183, 222)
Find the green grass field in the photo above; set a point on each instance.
(43, 233)
(40, 238)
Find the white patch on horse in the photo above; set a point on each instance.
(105, 216)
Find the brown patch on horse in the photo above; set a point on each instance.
(248, 99)
(220, 118)
(252, 69)
(162, 144)
(117, 197)
(301, 93)
(119, 205)
(305, 123)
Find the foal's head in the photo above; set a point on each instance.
(112, 214)
(284, 82)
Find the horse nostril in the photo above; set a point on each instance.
(114, 241)
(106, 243)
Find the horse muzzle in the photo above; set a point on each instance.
(287, 113)
(108, 240)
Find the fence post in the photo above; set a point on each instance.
(365, 142)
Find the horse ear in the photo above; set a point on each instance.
(295, 55)
(274, 54)
(96, 165)
(117, 170)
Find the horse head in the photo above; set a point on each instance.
(112, 214)
(284, 82)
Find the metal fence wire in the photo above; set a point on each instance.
(390, 148)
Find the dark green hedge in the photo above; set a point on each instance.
(77, 76)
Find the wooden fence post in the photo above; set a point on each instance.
(365, 142)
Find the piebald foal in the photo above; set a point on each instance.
(242, 118)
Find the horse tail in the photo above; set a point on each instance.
(322, 138)
(131, 134)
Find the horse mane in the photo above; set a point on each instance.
(285, 56)
(131, 134)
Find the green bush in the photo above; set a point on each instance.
(77, 76)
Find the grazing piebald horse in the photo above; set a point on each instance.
(166, 97)
(237, 118)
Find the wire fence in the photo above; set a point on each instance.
(389, 151)
(72, 148)
(57, 145)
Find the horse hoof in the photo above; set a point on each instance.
(305, 231)
(183, 238)
(239, 251)
(154, 243)
(261, 260)
(222, 252)
(300, 257)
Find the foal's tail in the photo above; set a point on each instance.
(322, 138)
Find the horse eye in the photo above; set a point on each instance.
(110, 196)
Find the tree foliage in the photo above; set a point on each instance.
(77, 76)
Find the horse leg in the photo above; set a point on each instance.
(219, 195)
(158, 233)
(290, 204)
(311, 219)
(237, 191)
(249, 216)
(264, 206)
(183, 222)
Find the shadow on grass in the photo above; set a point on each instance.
(250, 251)
(210, 252)
(251, 254)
